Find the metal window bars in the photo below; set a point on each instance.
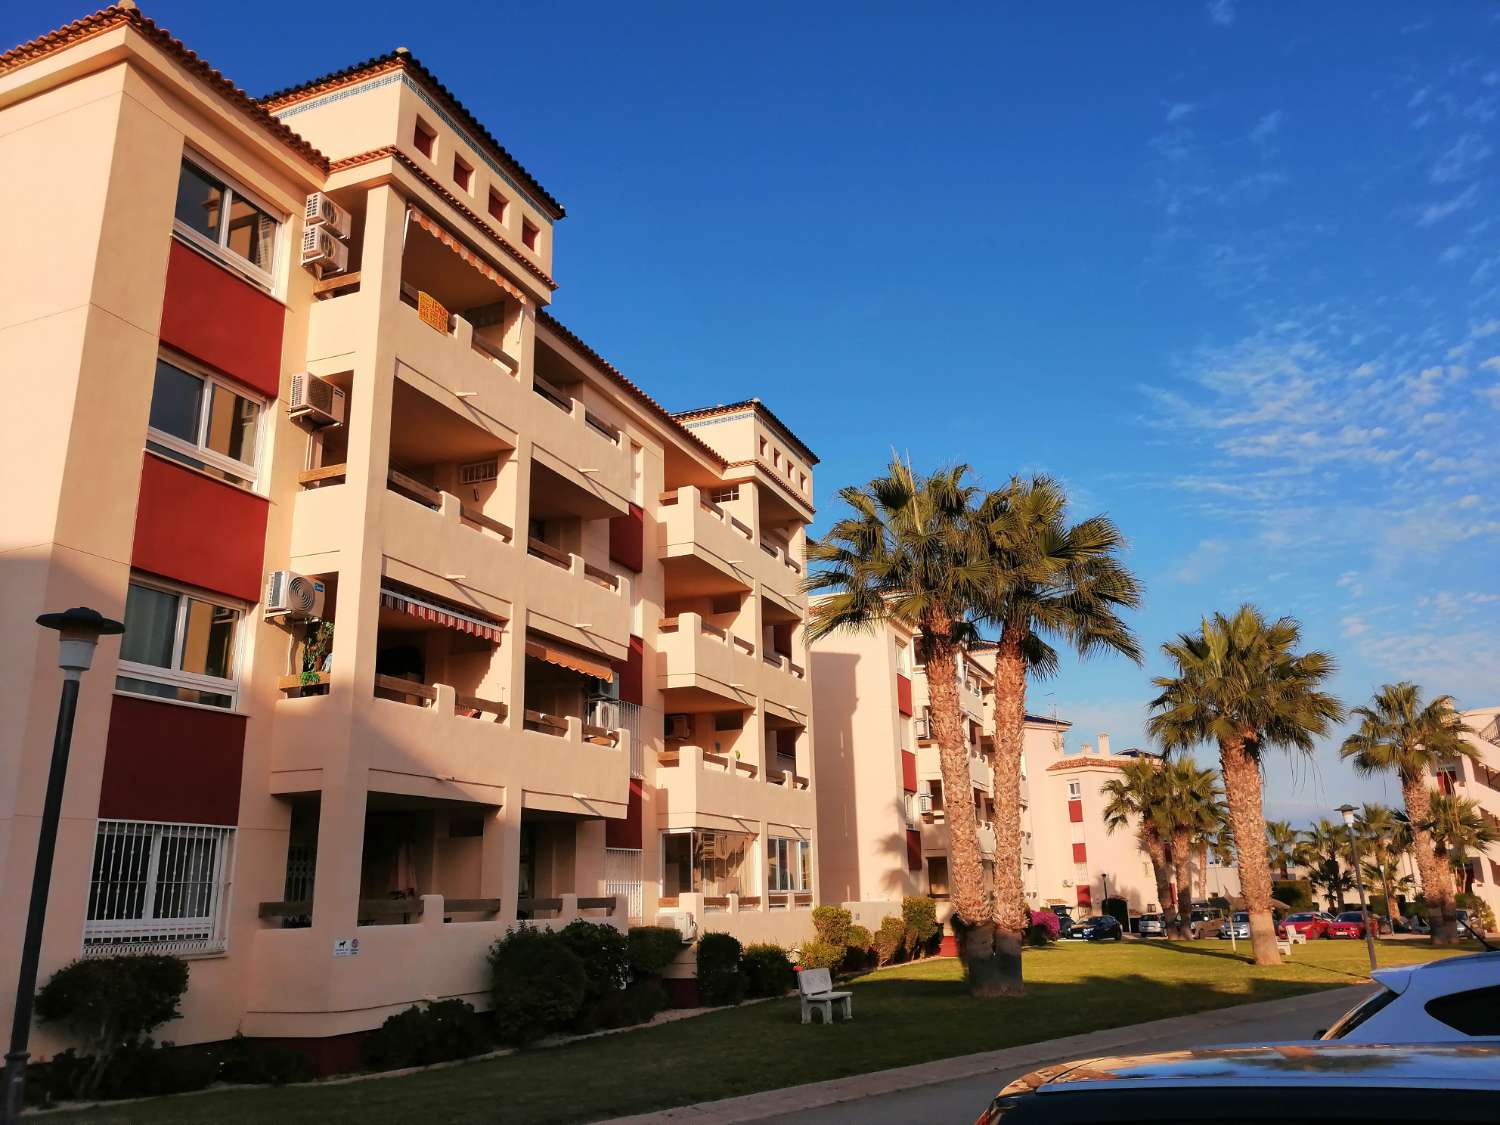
(159, 888)
(622, 876)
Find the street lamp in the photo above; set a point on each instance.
(79, 631)
(1104, 879)
(1347, 812)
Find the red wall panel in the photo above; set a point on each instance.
(229, 324)
(164, 762)
(1080, 853)
(632, 673)
(1075, 811)
(1085, 896)
(908, 771)
(627, 539)
(903, 694)
(197, 530)
(626, 832)
(913, 850)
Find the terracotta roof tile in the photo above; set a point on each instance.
(405, 60)
(107, 19)
(750, 404)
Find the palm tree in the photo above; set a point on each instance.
(1240, 682)
(1281, 845)
(1323, 850)
(1399, 733)
(1135, 796)
(1458, 827)
(1382, 837)
(908, 551)
(1191, 810)
(1052, 582)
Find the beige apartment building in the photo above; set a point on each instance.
(434, 619)
(1479, 782)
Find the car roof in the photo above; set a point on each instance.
(1485, 965)
(1438, 1065)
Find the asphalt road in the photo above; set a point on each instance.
(962, 1100)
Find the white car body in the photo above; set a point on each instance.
(1400, 1011)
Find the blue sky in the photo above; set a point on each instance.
(1231, 272)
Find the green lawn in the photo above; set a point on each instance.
(907, 1014)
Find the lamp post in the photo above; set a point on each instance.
(1347, 811)
(79, 631)
(1104, 880)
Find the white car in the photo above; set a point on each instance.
(1454, 999)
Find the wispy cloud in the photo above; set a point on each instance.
(1437, 212)
(1266, 128)
(1203, 562)
(1461, 161)
(1221, 12)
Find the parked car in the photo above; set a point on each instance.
(1307, 923)
(1349, 924)
(1064, 921)
(1413, 924)
(1151, 925)
(1239, 923)
(1454, 999)
(1101, 927)
(1421, 1084)
(1204, 920)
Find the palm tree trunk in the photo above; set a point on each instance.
(1182, 859)
(1203, 868)
(965, 863)
(1437, 879)
(1156, 850)
(1010, 911)
(1242, 792)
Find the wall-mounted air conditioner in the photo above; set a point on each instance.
(322, 252)
(679, 728)
(680, 920)
(293, 596)
(924, 803)
(316, 400)
(324, 212)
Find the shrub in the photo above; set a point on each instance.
(537, 984)
(889, 940)
(818, 954)
(831, 923)
(262, 1063)
(144, 1069)
(1296, 893)
(109, 1003)
(860, 944)
(767, 971)
(720, 981)
(627, 1007)
(1043, 928)
(652, 948)
(605, 955)
(919, 913)
(425, 1034)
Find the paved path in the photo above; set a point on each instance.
(957, 1089)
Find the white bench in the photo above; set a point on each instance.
(816, 989)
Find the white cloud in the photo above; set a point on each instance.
(1267, 127)
(1204, 561)
(1178, 110)
(1437, 212)
(1353, 627)
(1461, 161)
(1221, 12)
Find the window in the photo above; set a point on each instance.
(910, 809)
(1474, 1012)
(529, 233)
(498, 204)
(223, 219)
(703, 862)
(788, 864)
(158, 887)
(1075, 790)
(205, 423)
(424, 139)
(903, 663)
(935, 791)
(937, 875)
(463, 174)
(725, 495)
(178, 646)
(729, 720)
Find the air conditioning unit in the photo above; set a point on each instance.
(322, 252)
(1067, 882)
(324, 212)
(292, 596)
(679, 728)
(317, 400)
(477, 472)
(924, 803)
(680, 920)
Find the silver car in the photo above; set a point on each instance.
(1150, 925)
(1237, 926)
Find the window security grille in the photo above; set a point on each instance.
(622, 876)
(159, 888)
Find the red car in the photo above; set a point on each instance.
(1311, 926)
(1349, 924)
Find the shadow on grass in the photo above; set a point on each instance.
(1199, 951)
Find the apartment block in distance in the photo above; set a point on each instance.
(434, 620)
(1478, 782)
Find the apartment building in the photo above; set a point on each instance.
(1479, 782)
(434, 619)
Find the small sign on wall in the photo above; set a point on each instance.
(346, 947)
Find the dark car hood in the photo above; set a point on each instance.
(1438, 1065)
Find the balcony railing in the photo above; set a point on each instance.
(425, 695)
(412, 489)
(564, 561)
(551, 394)
(557, 726)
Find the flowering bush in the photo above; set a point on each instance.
(1044, 927)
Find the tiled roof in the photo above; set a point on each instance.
(126, 13)
(1076, 761)
(457, 204)
(405, 60)
(750, 404)
(606, 368)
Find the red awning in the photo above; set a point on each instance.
(567, 656)
(432, 227)
(449, 616)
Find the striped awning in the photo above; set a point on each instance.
(434, 228)
(446, 615)
(568, 656)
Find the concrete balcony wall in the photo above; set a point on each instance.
(437, 543)
(695, 793)
(691, 525)
(579, 607)
(693, 658)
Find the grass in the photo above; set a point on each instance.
(906, 1014)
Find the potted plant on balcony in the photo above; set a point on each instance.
(317, 655)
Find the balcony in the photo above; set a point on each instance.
(569, 535)
(704, 665)
(703, 789)
(704, 549)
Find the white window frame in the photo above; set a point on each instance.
(105, 936)
(175, 677)
(793, 866)
(247, 472)
(1075, 791)
(218, 248)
